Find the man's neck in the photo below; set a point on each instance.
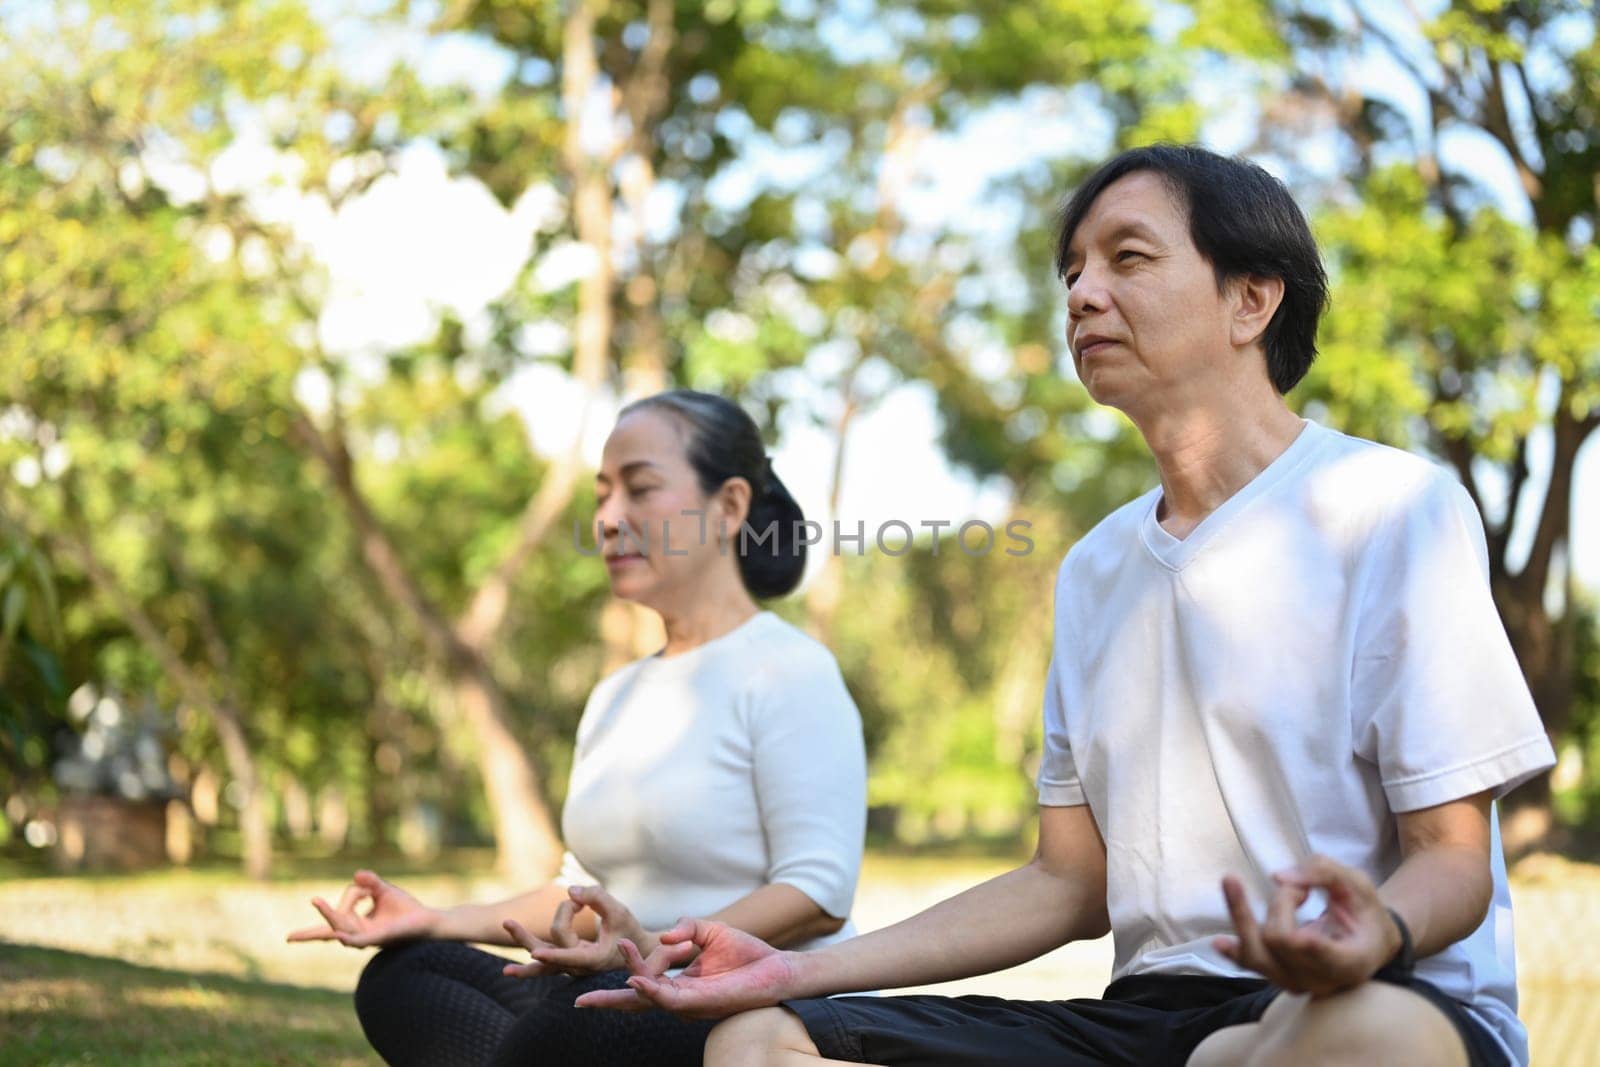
(1207, 453)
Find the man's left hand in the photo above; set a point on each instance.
(1350, 941)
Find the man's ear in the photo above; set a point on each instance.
(1255, 300)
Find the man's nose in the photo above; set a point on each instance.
(1087, 293)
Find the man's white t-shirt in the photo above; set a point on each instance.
(1320, 653)
(699, 778)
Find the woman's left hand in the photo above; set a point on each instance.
(566, 953)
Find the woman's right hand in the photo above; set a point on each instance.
(733, 972)
(395, 915)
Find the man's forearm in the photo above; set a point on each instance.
(1442, 893)
(1002, 922)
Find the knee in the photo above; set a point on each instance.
(1228, 1047)
(1370, 1025)
(756, 1037)
(380, 971)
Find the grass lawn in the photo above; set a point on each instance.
(191, 967)
(60, 1007)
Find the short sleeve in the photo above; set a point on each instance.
(1058, 782)
(573, 873)
(811, 782)
(1438, 700)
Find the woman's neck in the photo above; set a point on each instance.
(706, 621)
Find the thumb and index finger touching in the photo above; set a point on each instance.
(339, 920)
(336, 925)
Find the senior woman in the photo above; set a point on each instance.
(722, 777)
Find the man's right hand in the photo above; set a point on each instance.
(395, 915)
(733, 972)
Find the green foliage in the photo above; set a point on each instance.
(1455, 324)
(945, 650)
(148, 379)
(1577, 792)
(162, 330)
(32, 684)
(1465, 318)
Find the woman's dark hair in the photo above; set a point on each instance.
(724, 443)
(1243, 221)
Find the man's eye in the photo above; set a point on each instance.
(641, 490)
(1127, 253)
(1071, 278)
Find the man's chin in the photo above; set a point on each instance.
(1104, 390)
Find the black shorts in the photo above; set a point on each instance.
(1142, 1020)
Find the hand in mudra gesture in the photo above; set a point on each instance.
(564, 952)
(394, 915)
(732, 972)
(1344, 946)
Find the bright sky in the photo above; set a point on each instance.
(421, 241)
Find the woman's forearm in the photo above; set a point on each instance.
(485, 922)
(780, 915)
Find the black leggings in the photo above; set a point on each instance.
(448, 1004)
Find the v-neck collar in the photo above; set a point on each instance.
(1175, 554)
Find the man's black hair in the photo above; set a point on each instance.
(1243, 221)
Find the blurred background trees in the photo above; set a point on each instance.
(1479, 300)
(336, 563)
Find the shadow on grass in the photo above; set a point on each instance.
(68, 1007)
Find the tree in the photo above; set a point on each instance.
(1455, 323)
(676, 98)
(144, 376)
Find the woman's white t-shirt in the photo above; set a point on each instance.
(704, 776)
(1320, 653)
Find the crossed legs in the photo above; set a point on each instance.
(1372, 1025)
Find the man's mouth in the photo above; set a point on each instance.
(1089, 344)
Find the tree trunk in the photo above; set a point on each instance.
(645, 94)
(822, 599)
(255, 830)
(385, 754)
(527, 846)
(1544, 648)
(1545, 644)
(509, 778)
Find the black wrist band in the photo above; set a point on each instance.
(1399, 968)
